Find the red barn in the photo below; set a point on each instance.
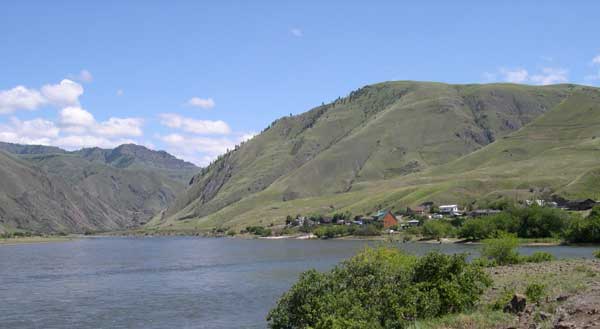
(389, 220)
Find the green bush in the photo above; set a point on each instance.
(332, 231)
(502, 250)
(258, 230)
(502, 299)
(582, 230)
(380, 288)
(436, 229)
(597, 253)
(539, 222)
(535, 292)
(539, 257)
(368, 230)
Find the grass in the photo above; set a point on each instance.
(34, 239)
(483, 319)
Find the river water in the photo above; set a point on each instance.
(169, 282)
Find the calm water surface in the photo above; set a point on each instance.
(168, 282)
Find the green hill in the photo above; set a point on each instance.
(400, 143)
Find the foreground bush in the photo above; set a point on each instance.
(380, 288)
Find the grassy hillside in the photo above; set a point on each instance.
(400, 143)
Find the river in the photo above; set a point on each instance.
(169, 282)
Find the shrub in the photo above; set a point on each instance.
(503, 299)
(477, 229)
(259, 230)
(502, 250)
(535, 291)
(539, 257)
(332, 231)
(368, 230)
(583, 230)
(380, 288)
(597, 253)
(435, 229)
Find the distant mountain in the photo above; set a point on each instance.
(396, 144)
(87, 190)
(30, 149)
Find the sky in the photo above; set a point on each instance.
(195, 78)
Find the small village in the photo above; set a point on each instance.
(410, 219)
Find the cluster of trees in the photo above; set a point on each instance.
(534, 222)
(258, 230)
(381, 288)
(332, 231)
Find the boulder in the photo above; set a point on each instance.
(516, 305)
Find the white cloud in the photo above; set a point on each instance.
(83, 76)
(66, 93)
(78, 120)
(204, 127)
(19, 98)
(550, 76)
(76, 117)
(120, 127)
(205, 103)
(35, 131)
(246, 137)
(72, 142)
(596, 60)
(120, 92)
(199, 150)
(547, 76)
(297, 32)
(514, 76)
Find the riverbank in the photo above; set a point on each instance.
(570, 298)
(396, 237)
(35, 239)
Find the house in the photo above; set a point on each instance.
(537, 202)
(579, 205)
(483, 212)
(413, 222)
(420, 210)
(450, 209)
(388, 219)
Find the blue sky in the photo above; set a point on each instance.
(196, 77)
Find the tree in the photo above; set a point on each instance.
(436, 229)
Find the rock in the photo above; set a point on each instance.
(564, 325)
(545, 316)
(562, 298)
(516, 305)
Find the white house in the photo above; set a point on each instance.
(449, 209)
